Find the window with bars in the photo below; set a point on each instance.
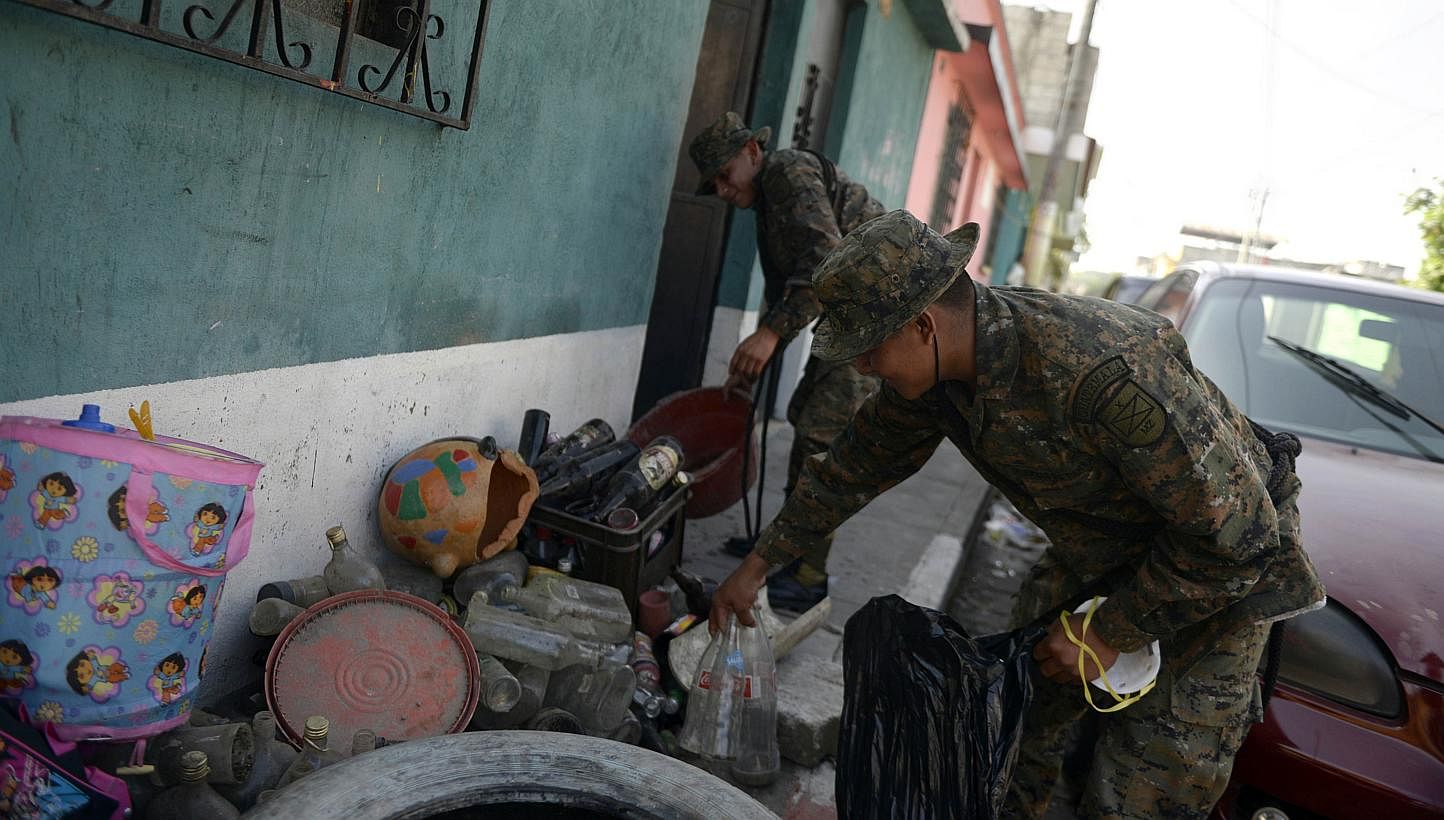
(950, 171)
(400, 54)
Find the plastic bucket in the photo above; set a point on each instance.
(114, 553)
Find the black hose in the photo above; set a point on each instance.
(765, 395)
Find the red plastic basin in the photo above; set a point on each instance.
(710, 423)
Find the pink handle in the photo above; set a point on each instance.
(137, 505)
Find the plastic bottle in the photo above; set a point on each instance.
(757, 762)
(523, 638)
(348, 570)
(597, 697)
(500, 690)
(588, 472)
(533, 680)
(594, 433)
(715, 700)
(362, 742)
(649, 696)
(302, 592)
(585, 609)
(316, 752)
(504, 568)
(638, 484)
(271, 759)
(270, 616)
(193, 797)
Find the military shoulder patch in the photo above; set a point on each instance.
(1135, 417)
(1090, 391)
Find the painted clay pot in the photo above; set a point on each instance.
(453, 502)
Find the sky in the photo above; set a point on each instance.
(1335, 107)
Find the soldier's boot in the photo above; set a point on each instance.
(797, 587)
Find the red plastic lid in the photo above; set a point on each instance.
(379, 660)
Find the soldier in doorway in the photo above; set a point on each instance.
(804, 206)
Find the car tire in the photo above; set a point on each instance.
(545, 769)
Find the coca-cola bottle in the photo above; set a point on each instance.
(594, 433)
(757, 762)
(637, 485)
(583, 475)
(714, 704)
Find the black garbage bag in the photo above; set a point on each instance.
(931, 717)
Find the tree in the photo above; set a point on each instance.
(1429, 205)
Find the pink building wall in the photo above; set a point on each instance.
(992, 157)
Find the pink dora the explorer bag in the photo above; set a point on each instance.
(113, 553)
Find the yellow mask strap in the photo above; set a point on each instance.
(1086, 653)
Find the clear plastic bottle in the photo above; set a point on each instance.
(526, 639)
(597, 697)
(362, 742)
(533, 680)
(193, 797)
(508, 567)
(316, 752)
(500, 690)
(588, 610)
(714, 703)
(348, 570)
(272, 757)
(302, 592)
(757, 762)
(270, 615)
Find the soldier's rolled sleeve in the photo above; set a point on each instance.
(1220, 530)
(802, 230)
(888, 440)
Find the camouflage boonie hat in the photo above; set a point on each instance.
(882, 276)
(718, 143)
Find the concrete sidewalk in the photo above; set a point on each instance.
(908, 541)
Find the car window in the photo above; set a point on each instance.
(1167, 296)
(1391, 343)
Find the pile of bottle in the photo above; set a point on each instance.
(592, 475)
(279, 602)
(215, 768)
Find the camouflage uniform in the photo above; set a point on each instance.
(1149, 482)
(798, 224)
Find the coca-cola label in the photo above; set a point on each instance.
(747, 692)
(659, 463)
(704, 680)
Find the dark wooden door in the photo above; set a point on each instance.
(695, 234)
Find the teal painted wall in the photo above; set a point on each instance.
(884, 85)
(1010, 228)
(877, 112)
(166, 216)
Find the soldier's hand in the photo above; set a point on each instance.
(753, 353)
(1058, 657)
(738, 387)
(738, 593)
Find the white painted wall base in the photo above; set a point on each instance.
(328, 432)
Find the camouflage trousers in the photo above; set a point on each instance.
(823, 403)
(1167, 756)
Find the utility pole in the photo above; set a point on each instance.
(1046, 211)
(1245, 250)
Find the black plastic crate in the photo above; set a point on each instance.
(618, 558)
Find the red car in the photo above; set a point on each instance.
(1356, 369)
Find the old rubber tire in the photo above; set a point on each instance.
(427, 777)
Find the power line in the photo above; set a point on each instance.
(1324, 65)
